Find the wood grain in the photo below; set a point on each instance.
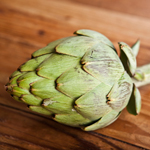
(132, 7)
(26, 26)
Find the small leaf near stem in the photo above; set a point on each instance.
(142, 75)
(135, 47)
(134, 105)
(128, 58)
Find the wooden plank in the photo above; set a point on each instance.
(28, 131)
(26, 26)
(78, 16)
(133, 7)
(29, 22)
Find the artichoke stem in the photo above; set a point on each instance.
(142, 76)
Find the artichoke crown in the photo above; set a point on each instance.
(79, 80)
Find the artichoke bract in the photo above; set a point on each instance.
(79, 81)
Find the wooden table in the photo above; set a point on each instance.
(27, 25)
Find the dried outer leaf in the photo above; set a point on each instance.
(41, 110)
(128, 59)
(50, 48)
(107, 119)
(135, 47)
(134, 105)
(95, 35)
(120, 93)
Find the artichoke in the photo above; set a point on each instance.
(79, 81)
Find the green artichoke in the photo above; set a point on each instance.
(79, 81)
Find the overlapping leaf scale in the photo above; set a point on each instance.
(117, 98)
(14, 74)
(24, 82)
(55, 65)
(92, 104)
(95, 35)
(17, 91)
(20, 87)
(59, 104)
(73, 119)
(76, 82)
(27, 78)
(76, 46)
(104, 121)
(13, 79)
(41, 110)
(12, 86)
(30, 99)
(33, 63)
(50, 48)
(44, 88)
(120, 93)
(103, 63)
